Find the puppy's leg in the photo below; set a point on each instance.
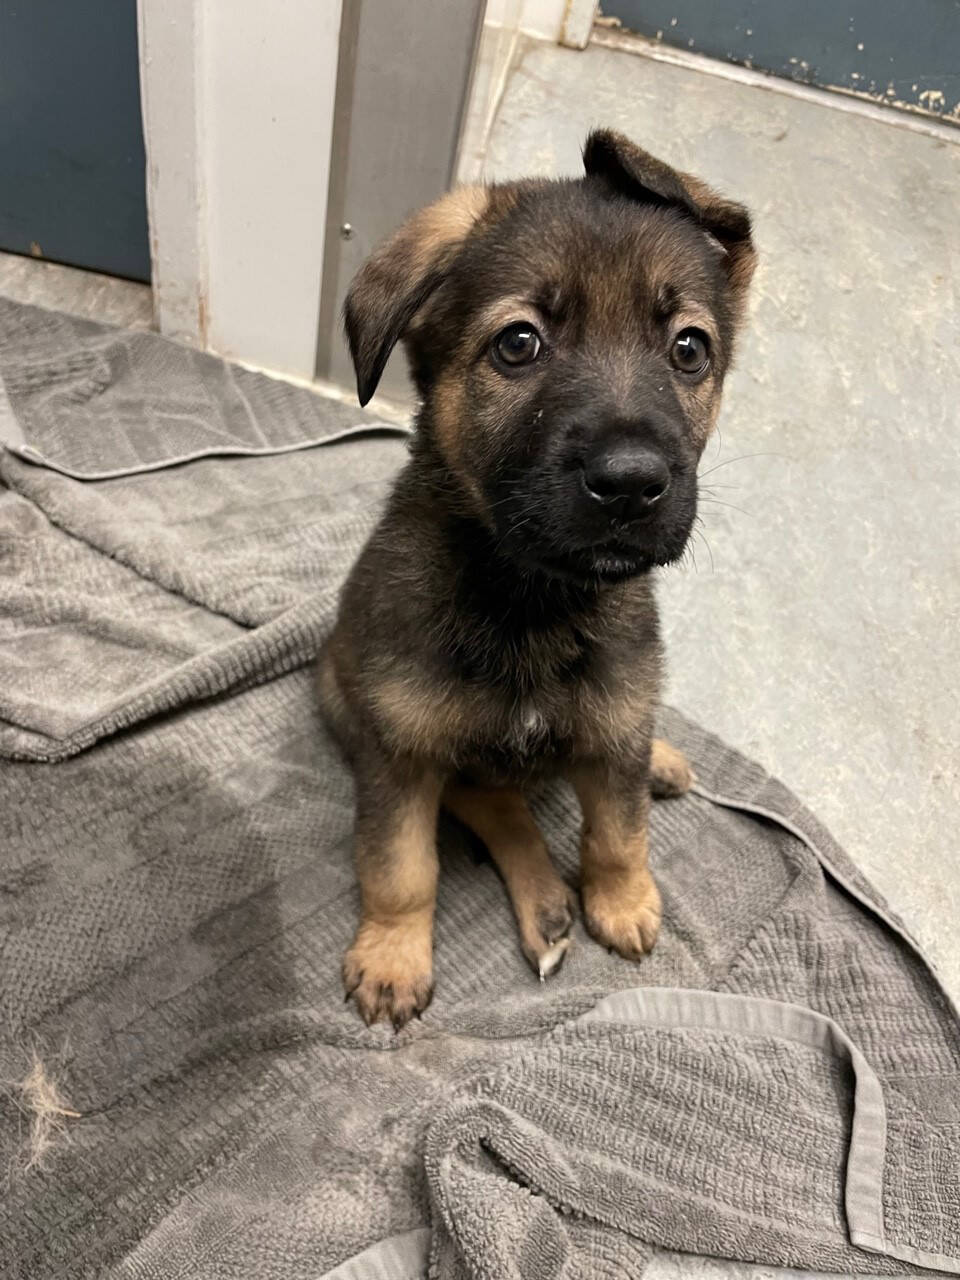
(621, 902)
(541, 901)
(670, 772)
(388, 969)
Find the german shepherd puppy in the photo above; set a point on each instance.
(569, 340)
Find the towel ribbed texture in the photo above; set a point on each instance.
(176, 893)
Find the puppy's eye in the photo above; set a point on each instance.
(690, 352)
(517, 344)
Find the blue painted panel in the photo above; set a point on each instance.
(906, 55)
(72, 167)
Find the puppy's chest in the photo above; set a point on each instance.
(532, 727)
(527, 685)
(516, 740)
(513, 730)
(505, 702)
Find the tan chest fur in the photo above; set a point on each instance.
(420, 716)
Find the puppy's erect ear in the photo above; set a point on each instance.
(399, 276)
(630, 170)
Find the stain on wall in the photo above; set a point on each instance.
(903, 55)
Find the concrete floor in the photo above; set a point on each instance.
(85, 293)
(824, 635)
(820, 632)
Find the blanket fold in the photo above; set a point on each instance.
(127, 590)
(778, 1082)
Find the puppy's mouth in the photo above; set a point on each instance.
(558, 529)
(608, 562)
(613, 555)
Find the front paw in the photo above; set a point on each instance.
(623, 913)
(388, 970)
(670, 772)
(545, 918)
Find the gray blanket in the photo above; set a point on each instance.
(779, 1082)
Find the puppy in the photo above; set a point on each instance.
(568, 340)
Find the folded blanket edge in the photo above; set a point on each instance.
(754, 1016)
(27, 452)
(399, 1257)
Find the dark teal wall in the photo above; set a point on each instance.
(72, 169)
(905, 54)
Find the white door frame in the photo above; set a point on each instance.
(238, 106)
(242, 123)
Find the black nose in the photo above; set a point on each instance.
(627, 478)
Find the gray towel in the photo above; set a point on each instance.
(135, 594)
(778, 1082)
(97, 402)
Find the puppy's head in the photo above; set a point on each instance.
(569, 341)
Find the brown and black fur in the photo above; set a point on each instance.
(500, 626)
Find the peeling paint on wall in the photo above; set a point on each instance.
(905, 56)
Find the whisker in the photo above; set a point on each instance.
(719, 502)
(703, 538)
(741, 458)
(517, 524)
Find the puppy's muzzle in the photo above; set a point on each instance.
(625, 479)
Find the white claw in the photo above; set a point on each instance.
(551, 958)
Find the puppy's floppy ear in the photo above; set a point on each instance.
(399, 276)
(631, 171)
